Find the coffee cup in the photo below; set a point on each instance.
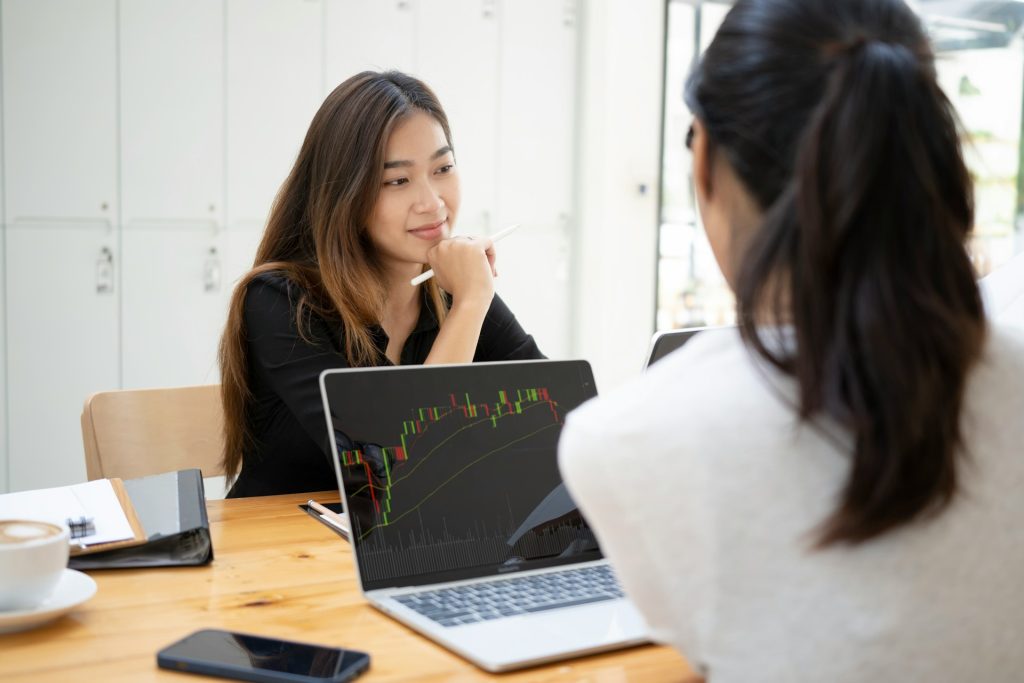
(33, 555)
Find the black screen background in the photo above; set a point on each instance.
(468, 482)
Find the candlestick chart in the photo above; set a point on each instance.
(453, 481)
(432, 429)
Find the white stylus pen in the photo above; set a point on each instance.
(426, 275)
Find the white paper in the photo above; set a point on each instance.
(94, 499)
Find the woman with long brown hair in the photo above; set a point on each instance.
(832, 492)
(370, 203)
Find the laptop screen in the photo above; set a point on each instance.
(451, 472)
(665, 343)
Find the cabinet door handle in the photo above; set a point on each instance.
(211, 271)
(105, 271)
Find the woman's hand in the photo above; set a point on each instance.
(464, 267)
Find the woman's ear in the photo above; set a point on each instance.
(701, 151)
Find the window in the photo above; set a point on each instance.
(980, 62)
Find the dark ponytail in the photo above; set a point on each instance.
(831, 114)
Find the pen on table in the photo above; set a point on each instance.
(338, 521)
(321, 509)
(426, 275)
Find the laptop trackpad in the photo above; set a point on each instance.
(554, 634)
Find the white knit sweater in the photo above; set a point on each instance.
(704, 491)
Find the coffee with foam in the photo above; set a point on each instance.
(33, 557)
(14, 531)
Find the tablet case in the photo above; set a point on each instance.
(172, 510)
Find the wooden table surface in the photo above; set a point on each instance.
(277, 572)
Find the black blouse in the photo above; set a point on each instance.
(292, 451)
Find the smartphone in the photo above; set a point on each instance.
(255, 658)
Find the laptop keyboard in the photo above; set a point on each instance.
(508, 597)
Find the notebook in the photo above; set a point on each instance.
(99, 514)
(172, 509)
(461, 527)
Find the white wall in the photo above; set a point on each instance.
(3, 298)
(616, 238)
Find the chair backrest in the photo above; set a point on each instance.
(136, 433)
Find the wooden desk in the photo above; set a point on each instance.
(279, 573)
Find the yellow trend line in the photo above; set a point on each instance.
(449, 479)
(452, 412)
(420, 461)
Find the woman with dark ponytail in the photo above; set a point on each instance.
(832, 493)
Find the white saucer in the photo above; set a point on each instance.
(72, 590)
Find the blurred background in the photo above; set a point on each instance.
(981, 69)
(143, 142)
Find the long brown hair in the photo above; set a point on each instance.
(316, 234)
(832, 116)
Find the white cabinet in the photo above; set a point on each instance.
(60, 111)
(533, 279)
(238, 257)
(535, 147)
(62, 345)
(173, 150)
(536, 111)
(60, 173)
(173, 307)
(369, 34)
(3, 316)
(457, 56)
(3, 356)
(172, 113)
(274, 86)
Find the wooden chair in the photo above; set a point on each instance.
(136, 433)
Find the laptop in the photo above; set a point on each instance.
(667, 341)
(461, 527)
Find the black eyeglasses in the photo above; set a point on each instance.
(689, 137)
